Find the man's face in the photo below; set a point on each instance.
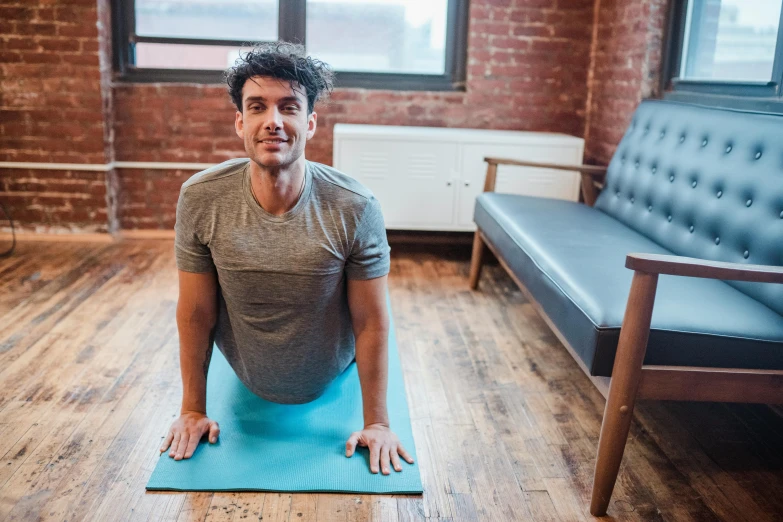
(274, 123)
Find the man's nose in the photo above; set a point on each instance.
(274, 121)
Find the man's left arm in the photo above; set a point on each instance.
(370, 320)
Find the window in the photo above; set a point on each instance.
(727, 52)
(398, 44)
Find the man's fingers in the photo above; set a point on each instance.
(183, 444)
(167, 442)
(375, 454)
(405, 454)
(385, 460)
(214, 431)
(175, 444)
(395, 459)
(191, 447)
(350, 446)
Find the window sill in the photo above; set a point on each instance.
(767, 104)
(381, 81)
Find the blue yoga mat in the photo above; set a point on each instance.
(264, 446)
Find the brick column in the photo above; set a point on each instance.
(53, 110)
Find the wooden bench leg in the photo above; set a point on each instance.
(626, 374)
(476, 260)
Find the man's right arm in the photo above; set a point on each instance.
(196, 319)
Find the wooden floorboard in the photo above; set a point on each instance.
(506, 424)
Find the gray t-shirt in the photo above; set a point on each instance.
(283, 319)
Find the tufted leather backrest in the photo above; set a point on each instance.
(705, 183)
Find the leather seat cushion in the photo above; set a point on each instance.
(571, 258)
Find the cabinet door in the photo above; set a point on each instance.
(415, 182)
(527, 181)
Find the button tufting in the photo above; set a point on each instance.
(748, 202)
(654, 170)
(728, 149)
(632, 200)
(693, 184)
(781, 215)
(704, 142)
(649, 208)
(717, 241)
(682, 138)
(669, 217)
(636, 164)
(758, 154)
(720, 193)
(745, 254)
(671, 178)
(663, 133)
(690, 229)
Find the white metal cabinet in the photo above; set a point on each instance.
(428, 178)
(412, 180)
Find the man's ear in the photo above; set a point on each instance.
(239, 125)
(312, 123)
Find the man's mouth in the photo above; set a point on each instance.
(273, 141)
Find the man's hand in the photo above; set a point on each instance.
(384, 445)
(186, 432)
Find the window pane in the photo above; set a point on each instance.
(730, 39)
(393, 36)
(246, 20)
(185, 56)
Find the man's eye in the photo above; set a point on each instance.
(292, 108)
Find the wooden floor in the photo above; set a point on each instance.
(505, 423)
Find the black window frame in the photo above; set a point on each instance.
(745, 95)
(291, 28)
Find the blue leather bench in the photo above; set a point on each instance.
(690, 191)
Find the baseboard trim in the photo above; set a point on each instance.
(146, 234)
(75, 237)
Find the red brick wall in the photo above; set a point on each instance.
(52, 110)
(53, 201)
(528, 67)
(148, 198)
(625, 69)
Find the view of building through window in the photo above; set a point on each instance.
(390, 36)
(730, 40)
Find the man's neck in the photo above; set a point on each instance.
(277, 189)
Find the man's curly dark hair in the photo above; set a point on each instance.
(285, 61)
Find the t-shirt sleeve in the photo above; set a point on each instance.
(369, 256)
(192, 254)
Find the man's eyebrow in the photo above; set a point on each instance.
(287, 99)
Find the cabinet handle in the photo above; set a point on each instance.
(467, 183)
(448, 183)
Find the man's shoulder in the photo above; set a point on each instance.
(340, 183)
(223, 170)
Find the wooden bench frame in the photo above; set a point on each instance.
(631, 379)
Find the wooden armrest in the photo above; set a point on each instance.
(692, 267)
(586, 171)
(593, 170)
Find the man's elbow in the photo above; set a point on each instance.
(190, 316)
(374, 327)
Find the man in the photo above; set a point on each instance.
(282, 262)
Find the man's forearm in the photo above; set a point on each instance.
(196, 339)
(372, 364)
